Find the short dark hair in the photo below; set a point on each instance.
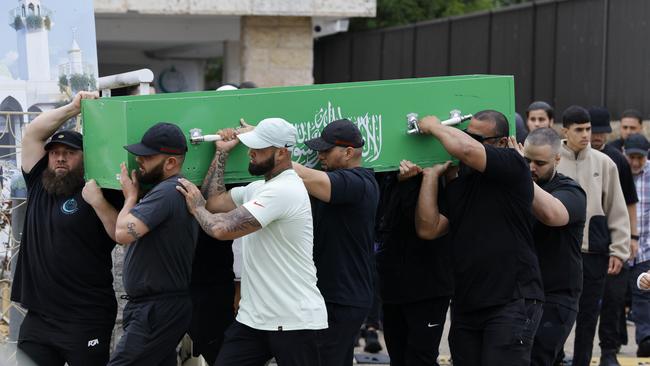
(545, 136)
(575, 114)
(633, 113)
(501, 127)
(550, 112)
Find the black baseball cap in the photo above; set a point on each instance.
(69, 138)
(341, 132)
(161, 138)
(600, 119)
(636, 143)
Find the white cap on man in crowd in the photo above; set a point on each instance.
(270, 132)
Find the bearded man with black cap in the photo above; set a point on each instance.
(345, 203)
(63, 277)
(160, 235)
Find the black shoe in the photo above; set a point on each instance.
(372, 342)
(608, 358)
(644, 348)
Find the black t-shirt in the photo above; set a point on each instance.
(344, 237)
(624, 174)
(64, 263)
(161, 260)
(558, 248)
(410, 269)
(617, 144)
(212, 263)
(493, 253)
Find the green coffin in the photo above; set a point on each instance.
(379, 108)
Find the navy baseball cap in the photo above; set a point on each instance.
(636, 143)
(69, 138)
(161, 138)
(341, 132)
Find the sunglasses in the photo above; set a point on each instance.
(480, 138)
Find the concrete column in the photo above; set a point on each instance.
(232, 62)
(277, 51)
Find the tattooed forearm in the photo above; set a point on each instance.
(238, 221)
(213, 184)
(131, 230)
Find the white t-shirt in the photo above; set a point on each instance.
(278, 279)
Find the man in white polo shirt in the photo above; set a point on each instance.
(281, 308)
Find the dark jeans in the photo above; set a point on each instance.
(336, 343)
(212, 314)
(413, 331)
(495, 336)
(640, 304)
(612, 330)
(554, 328)
(245, 346)
(48, 342)
(594, 271)
(152, 330)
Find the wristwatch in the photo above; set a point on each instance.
(635, 237)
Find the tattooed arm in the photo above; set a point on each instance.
(227, 226)
(128, 228)
(223, 226)
(214, 188)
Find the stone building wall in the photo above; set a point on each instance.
(277, 51)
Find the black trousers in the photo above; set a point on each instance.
(152, 330)
(45, 341)
(336, 343)
(413, 331)
(245, 346)
(594, 269)
(612, 329)
(374, 317)
(496, 336)
(554, 328)
(212, 314)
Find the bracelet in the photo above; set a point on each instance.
(635, 237)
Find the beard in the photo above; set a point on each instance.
(263, 167)
(541, 181)
(154, 176)
(63, 185)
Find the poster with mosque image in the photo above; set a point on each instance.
(48, 53)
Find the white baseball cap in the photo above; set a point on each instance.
(270, 132)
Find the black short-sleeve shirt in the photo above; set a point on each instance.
(161, 260)
(558, 248)
(490, 219)
(624, 174)
(64, 263)
(344, 237)
(410, 269)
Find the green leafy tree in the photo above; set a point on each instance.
(399, 12)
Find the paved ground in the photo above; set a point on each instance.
(627, 357)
